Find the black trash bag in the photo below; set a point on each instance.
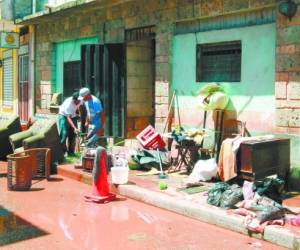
(270, 187)
(231, 196)
(267, 209)
(215, 193)
(269, 213)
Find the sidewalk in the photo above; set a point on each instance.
(146, 189)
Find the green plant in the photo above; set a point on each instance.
(71, 159)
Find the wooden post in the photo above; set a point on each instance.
(169, 111)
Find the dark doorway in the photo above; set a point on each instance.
(102, 71)
(71, 77)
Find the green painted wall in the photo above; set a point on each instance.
(255, 93)
(66, 52)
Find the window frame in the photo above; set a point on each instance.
(224, 48)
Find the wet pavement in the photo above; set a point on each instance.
(54, 215)
(145, 188)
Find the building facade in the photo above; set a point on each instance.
(8, 76)
(16, 91)
(134, 54)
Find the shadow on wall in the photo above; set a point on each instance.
(245, 105)
(231, 111)
(231, 126)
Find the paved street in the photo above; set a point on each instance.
(54, 215)
(196, 92)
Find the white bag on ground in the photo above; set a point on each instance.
(204, 170)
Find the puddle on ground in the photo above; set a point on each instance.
(119, 212)
(138, 237)
(147, 217)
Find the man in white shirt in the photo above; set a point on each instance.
(67, 121)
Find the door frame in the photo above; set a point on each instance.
(138, 34)
(21, 104)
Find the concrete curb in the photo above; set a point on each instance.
(206, 213)
(209, 214)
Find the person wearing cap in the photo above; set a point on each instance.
(67, 122)
(95, 116)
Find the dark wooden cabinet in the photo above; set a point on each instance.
(259, 159)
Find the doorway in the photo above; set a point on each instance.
(23, 87)
(102, 71)
(140, 68)
(71, 78)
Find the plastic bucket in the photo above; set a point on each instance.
(119, 175)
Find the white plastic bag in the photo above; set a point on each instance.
(204, 170)
(248, 192)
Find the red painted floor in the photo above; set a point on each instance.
(54, 215)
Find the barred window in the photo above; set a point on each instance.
(219, 62)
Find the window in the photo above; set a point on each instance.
(219, 62)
